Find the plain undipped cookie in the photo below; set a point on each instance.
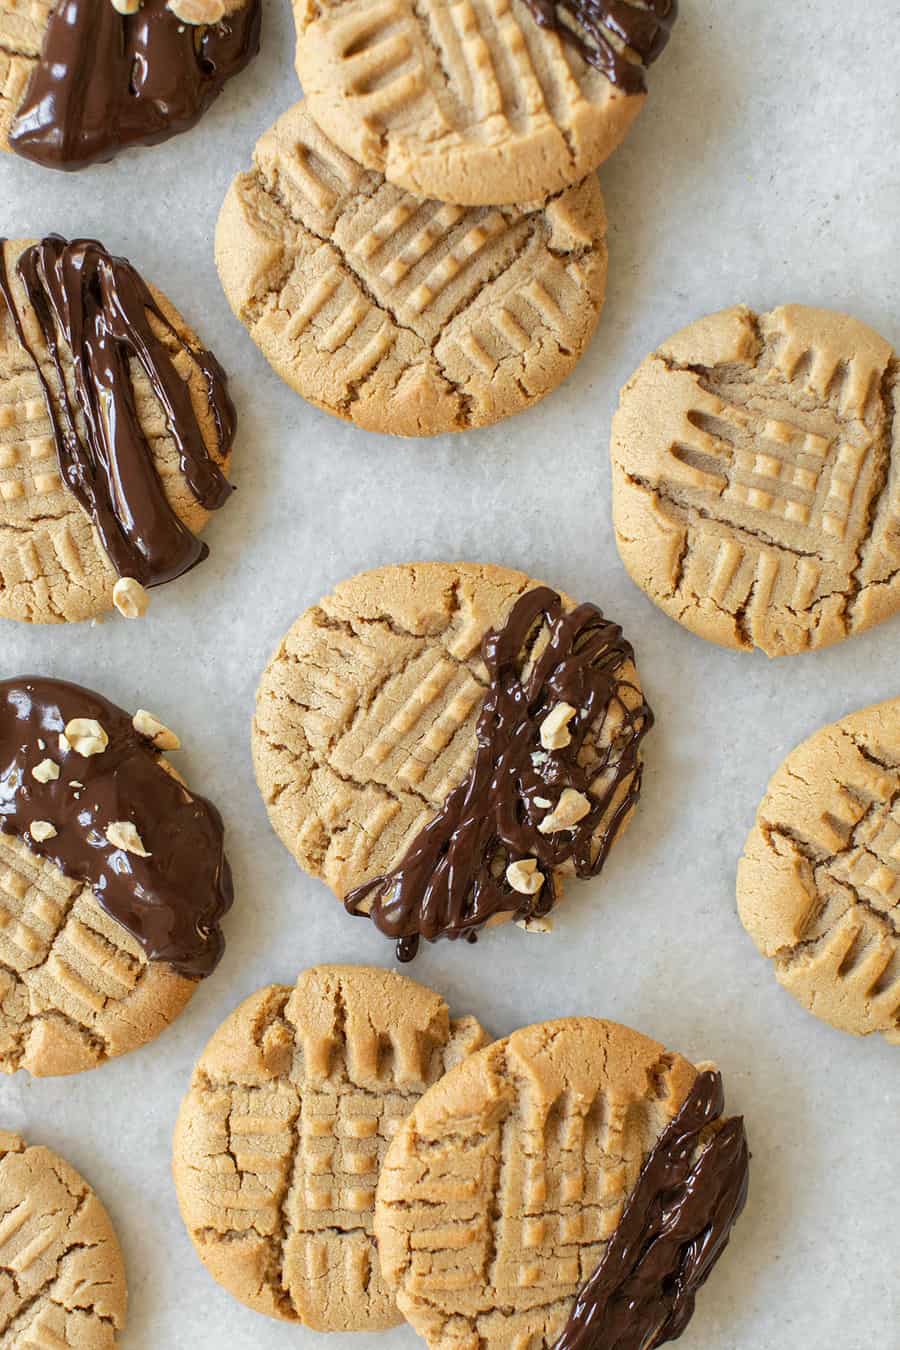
(62, 1278)
(54, 567)
(472, 100)
(398, 314)
(819, 883)
(538, 1159)
(756, 478)
(279, 1141)
(367, 723)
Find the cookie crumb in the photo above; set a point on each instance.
(46, 772)
(85, 736)
(123, 834)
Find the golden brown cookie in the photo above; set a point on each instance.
(756, 495)
(819, 883)
(113, 880)
(62, 1278)
(403, 315)
(278, 1144)
(571, 1185)
(81, 509)
(444, 744)
(478, 101)
(80, 79)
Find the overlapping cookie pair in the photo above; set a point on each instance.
(348, 1155)
(420, 246)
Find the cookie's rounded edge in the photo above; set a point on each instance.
(242, 1265)
(776, 891)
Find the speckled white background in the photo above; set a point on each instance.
(765, 168)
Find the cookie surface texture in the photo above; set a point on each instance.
(819, 882)
(379, 707)
(61, 554)
(756, 478)
(525, 1189)
(83, 981)
(278, 1144)
(62, 1278)
(474, 101)
(398, 314)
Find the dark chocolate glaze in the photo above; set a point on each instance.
(644, 28)
(106, 80)
(171, 902)
(674, 1228)
(451, 880)
(93, 308)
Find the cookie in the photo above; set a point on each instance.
(819, 882)
(113, 879)
(116, 430)
(479, 101)
(444, 744)
(756, 478)
(80, 79)
(278, 1144)
(402, 315)
(570, 1186)
(62, 1278)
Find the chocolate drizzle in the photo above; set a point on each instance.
(674, 1228)
(98, 306)
(451, 880)
(172, 901)
(106, 80)
(599, 29)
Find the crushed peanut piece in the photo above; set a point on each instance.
(571, 807)
(123, 834)
(64, 745)
(130, 598)
(126, 6)
(543, 802)
(535, 925)
(197, 11)
(46, 772)
(40, 830)
(524, 877)
(86, 737)
(555, 733)
(146, 724)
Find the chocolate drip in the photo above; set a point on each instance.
(106, 80)
(451, 880)
(644, 28)
(98, 305)
(674, 1228)
(172, 901)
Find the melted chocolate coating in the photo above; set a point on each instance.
(97, 305)
(106, 80)
(449, 883)
(643, 27)
(674, 1228)
(171, 902)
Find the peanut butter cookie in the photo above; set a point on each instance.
(756, 478)
(115, 434)
(113, 879)
(398, 314)
(570, 1186)
(819, 883)
(444, 744)
(62, 1279)
(479, 101)
(278, 1144)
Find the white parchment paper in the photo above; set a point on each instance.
(764, 169)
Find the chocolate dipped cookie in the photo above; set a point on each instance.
(479, 101)
(446, 744)
(568, 1188)
(81, 79)
(113, 879)
(116, 429)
